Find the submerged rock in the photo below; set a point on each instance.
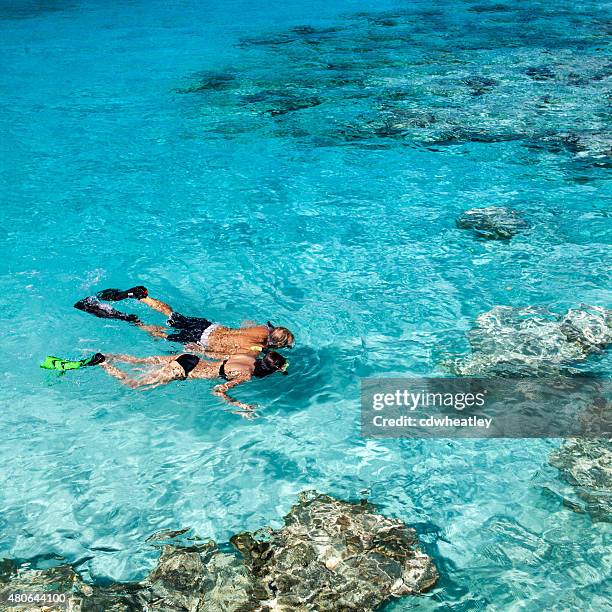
(330, 555)
(480, 85)
(590, 147)
(28, 9)
(385, 22)
(277, 102)
(389, 124)
(220, 81)
(540, 73)
(294, 104)
(308, 31)
(528, 341)
(303, 33)
(203, 578)
(589, 327)
(493, 222)
(334, 555)
(20, 578)
(587, 466)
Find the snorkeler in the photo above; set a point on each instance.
(235, 370)
(199, 334)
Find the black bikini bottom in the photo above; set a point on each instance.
(187, 362)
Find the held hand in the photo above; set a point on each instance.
(246, 414)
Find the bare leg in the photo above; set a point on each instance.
(156, 359)
(157, 331)
(157, 305)
(119, 374)
(161, 377)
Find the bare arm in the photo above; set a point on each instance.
(221, 391)
(157, 305)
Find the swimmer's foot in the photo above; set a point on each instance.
(115, 295)
(103, 311)
(94, 360)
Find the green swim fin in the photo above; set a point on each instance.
(57, 363)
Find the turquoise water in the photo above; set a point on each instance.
(162, 144)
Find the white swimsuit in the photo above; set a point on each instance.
(206, 334)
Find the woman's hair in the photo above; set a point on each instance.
(280, 337)
(271, 362)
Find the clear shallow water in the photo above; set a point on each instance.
(336, 220)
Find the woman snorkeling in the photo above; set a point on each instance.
(197, 333)
(235, 370)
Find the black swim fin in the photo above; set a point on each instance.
(93, 306)
(115, 295)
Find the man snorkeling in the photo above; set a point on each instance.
(198, 334)
(235, 370)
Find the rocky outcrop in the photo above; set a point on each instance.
(592, 147)
(329, 555)
(587, 466)
(493, 222)
(532, 341)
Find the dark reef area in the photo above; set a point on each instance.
(379, 80)
(329, 555)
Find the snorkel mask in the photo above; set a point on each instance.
(270, 362)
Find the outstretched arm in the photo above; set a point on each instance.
(157, 305)
(221, 391)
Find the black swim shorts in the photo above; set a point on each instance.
(190, 328)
